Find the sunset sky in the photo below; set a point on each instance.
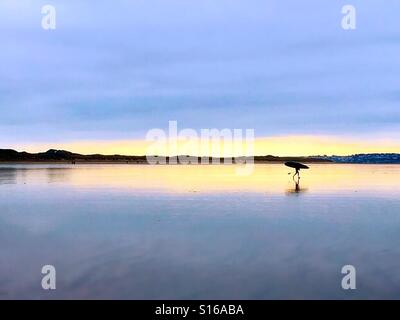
(113, 70)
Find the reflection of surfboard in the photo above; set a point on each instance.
(296, 165)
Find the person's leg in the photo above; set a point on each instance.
(297, 174)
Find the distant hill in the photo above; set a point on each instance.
(66, 156)
(365, 158)
(62, 155)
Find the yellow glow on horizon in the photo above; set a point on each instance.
(277, 146)
(321, 145)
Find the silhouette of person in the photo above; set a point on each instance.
(297, 174)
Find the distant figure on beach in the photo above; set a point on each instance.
(297, 166)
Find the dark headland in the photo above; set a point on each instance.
(52, 155)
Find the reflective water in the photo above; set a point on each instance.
(188, 232)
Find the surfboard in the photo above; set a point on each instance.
(296, 165)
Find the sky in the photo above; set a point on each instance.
(113, 70)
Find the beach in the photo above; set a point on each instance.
(198, 232)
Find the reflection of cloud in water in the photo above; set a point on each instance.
(139, 232)
(8, 175)
(199, 254)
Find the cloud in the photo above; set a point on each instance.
(113, 70)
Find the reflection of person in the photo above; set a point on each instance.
(297, 188)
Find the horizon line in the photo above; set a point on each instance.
(200, 156)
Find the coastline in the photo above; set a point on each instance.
(77, 162)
